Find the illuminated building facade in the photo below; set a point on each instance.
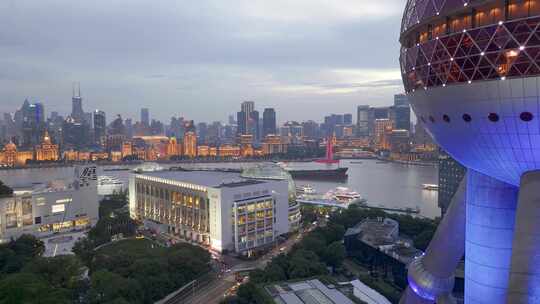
(382, 129)
(399, 141)
(219, 209)
(203, 151)
(273, 144)
(190, 144)
(471, 71)
(127, 148)
(173, 148)
(11, 157)
(58, 206)
(229, 151)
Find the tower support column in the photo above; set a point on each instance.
(491, 209)
(524, 285)
(431, 277)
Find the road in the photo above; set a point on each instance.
(213, 292)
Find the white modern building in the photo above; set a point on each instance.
(57, 206)
(219, 209)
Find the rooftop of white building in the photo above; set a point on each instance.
(213, 179)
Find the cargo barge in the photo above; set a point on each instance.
(326, 174)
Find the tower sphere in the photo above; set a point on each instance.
(474, 66)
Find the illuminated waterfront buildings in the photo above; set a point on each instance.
(190, 144)
(382, 129)
(47, 151)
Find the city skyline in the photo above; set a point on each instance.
(313, 59)
(80, 101)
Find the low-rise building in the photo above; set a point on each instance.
(57, 206)
(377, 242)
(309, 291)
(218, 209)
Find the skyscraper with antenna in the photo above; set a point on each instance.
(76, 103)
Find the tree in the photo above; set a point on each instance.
(84, 249)
(30, 288)
(63, 271)
(334, 254)
(28, 246)
(421, 241)
(5, 190)
(333, 232)
(249, 293)
(314, 242)
(305, 264)
(107, 287)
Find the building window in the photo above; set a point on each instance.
(526, 116)
(58, 208)
(37, 220)
(446, 118)
(493, 117)
(40, 201)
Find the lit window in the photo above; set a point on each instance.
(58, 208)
(40, 201)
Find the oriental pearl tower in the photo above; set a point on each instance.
(471, 70)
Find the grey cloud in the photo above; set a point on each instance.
(189, 55)
(385, 83)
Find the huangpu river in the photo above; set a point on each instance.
(385, 184)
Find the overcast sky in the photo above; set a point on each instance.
(200, 59)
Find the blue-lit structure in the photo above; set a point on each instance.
(471, 70)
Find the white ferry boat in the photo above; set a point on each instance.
(304, 189)
(344, 195)
(430, 187)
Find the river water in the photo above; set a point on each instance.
(381, 183)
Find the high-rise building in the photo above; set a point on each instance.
(74, 134)
(362, 120)
(401, 100)
(347, 119)
(145, 117)
(247, 106)
(402, 117)
(402, 112)
(383, 129)
(254, 126)
(231, 120)
(202, 133)
(451, 173)
(310, 129)
(32, 123)
(269, 122)
(470, 71)
(248, 120)
(77, 112)
(100, 127)
(213, 134)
